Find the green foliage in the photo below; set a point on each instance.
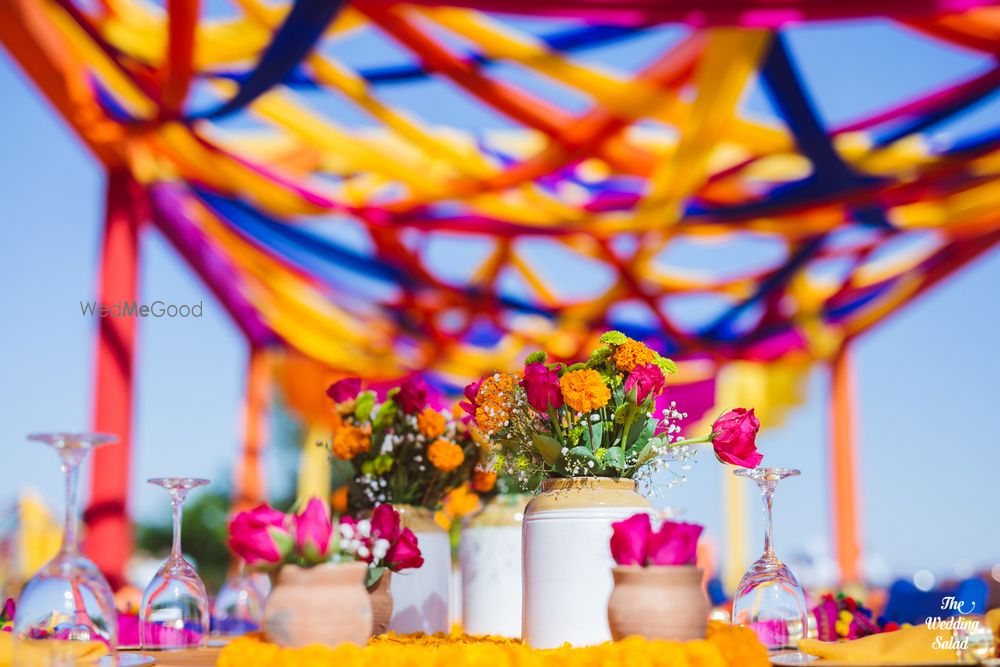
(535, 358)
(599, 357)
(614, 338)
(548, 447)
(614, 458)
(667, 366)
(385, 415)
(577, 367)
(363, 406)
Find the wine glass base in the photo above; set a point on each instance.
(126, 660)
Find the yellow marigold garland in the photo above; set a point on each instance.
(584, 390)
(725, 647)
(445, 455)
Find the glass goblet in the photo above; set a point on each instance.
(769, 599)
(239, 606)
(69, 598)
(174, 609)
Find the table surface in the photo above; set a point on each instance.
(202, 657)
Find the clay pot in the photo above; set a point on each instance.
(381, 597)
(566, 568)
(658, 602)
(327, 604)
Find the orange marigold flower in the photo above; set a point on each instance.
(338, 500)
(431, 422)
(632, 353)
(445, 455)
(483, 481)
(497, 396)
(349, 441)
(584, 390)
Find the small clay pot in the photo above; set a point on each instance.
(381, 597)
(327, 604)
(658, 602)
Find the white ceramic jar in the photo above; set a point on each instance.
(567, 578)
(420, 597)
(490, 553)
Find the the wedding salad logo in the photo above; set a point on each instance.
(958, 628)
(156, 309)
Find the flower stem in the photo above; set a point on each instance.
(692, 441)
(555, 424)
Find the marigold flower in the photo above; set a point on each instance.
(495, 399)
(483, 481)
(338, 500)
(584, 390)
(349, 441)
(632, 353)
(430, 422)
(445, 455)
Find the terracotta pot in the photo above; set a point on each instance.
(567, 559)
(490, 553)
(381, 597)
(420, 597)
(327, 604)
(658, 602)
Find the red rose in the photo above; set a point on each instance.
(734, 436)
(344, 390)
(675, 543)
(646, 380)
(404, 553)
(260, 536)
(385, 523)
(412, 396)
(541, 384)
(630, 538)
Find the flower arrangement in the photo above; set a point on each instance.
(7, 616)
(843, 617)
(401, 450)
(634, 542)
(596, 418)
(267, 538)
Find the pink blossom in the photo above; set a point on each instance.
(645, 380)
(675, 543)
(734, 436)
(629, 539)
(344, 390)
(541, 384)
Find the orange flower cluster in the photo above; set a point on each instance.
(483, 481)
(725, 647)
(349, 441)
(632, 353)
(584, 390)
(431, 423)
(445, 455)
(496, 398)
(338, 500)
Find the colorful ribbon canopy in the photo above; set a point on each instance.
(328, 219)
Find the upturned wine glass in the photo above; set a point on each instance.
(69, 598)
(769, 599)
(239, 606)
(174, 610)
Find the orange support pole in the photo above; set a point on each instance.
(249, 489)
(109, 535)
(843, 467)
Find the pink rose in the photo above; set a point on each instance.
(385, 523)
(260, 536)
(412, 396)
(674, 544)
(344, 390)
(404, 553)
(541, 384)
(645, 380)
(734, 437)
(312, 531)
(471, 392)
(629, 539)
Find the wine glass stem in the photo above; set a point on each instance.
(72, 474)
(177, 503)
(767, 494)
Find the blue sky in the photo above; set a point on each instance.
(927, 378)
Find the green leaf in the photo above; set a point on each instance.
(373, 575)
(548, 447)
(614, 457)
(621, 413)
(598, 430)
(646, 455)
(639, 426)
(363, 406)
(577, 367)
(583, 453)
(614, 338)
(534, 358)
